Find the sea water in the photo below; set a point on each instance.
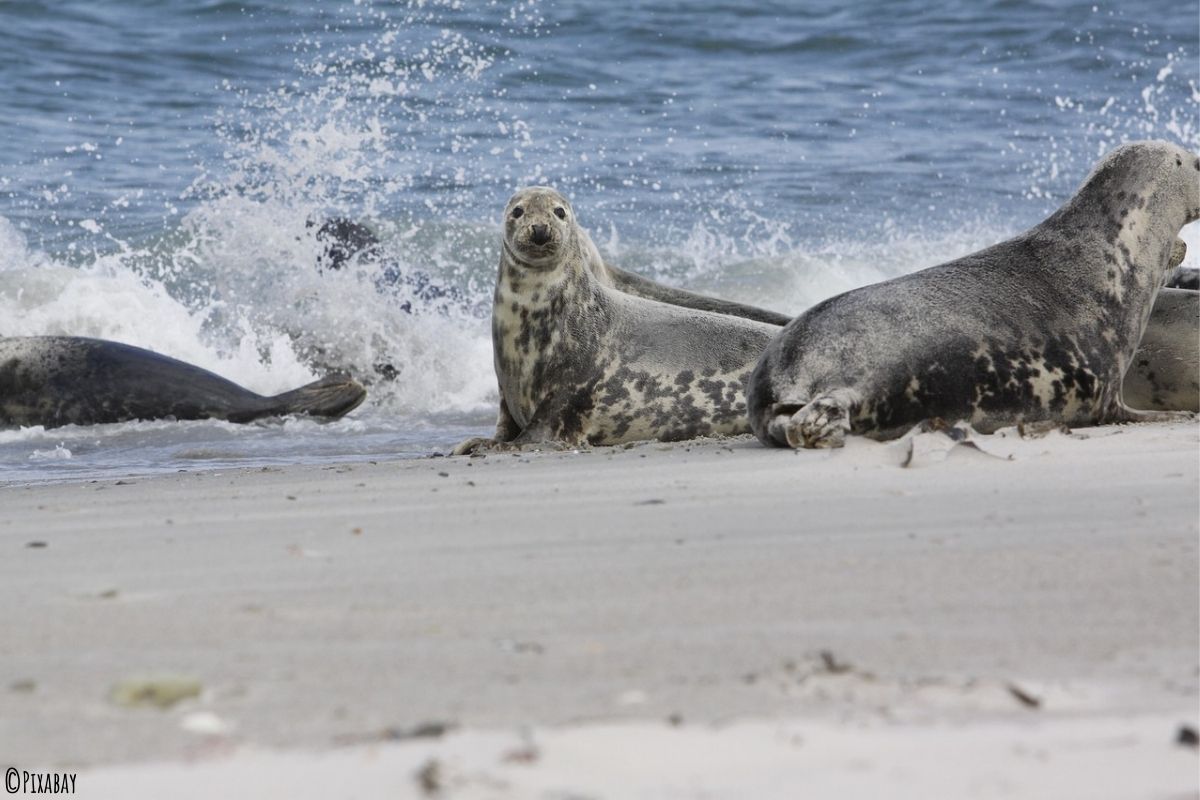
(164, 167)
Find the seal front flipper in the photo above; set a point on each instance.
(1181, 278)
(507, 429)
(476, 444)
(536, 436)
(821, 423)
(331, 397)
(1178, 253)
(480, 444)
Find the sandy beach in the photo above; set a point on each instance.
(709, 619)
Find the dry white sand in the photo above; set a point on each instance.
(707, 620)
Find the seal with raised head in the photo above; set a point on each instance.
(580, 362)
(1041, 327)
(65, 380)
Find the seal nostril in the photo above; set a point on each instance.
(540, 234)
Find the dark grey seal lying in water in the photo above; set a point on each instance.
(65, 380)
(1042, 327)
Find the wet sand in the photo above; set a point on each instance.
(1018, 619)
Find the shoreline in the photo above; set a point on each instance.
(317, 608)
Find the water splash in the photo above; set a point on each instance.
(419, 118)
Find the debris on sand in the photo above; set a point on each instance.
(1024, 697)
(832, 665)
(429, 777)
(1187, 737)
(160, 692)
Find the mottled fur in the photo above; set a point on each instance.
(63, 380)
(581, 362)
(1041, 327)
(1165, 373)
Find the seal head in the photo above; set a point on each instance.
(538, 227)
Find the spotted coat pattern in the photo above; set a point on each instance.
(580, 362)
(1041, 327)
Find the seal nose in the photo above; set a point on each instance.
(540, 234)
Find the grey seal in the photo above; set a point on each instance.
(580, 362)
(65, 380)
(1043, 326)
(1165, 373)
(638, 286)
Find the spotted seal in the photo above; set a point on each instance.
(581, 362)
(1165, 373)
(63, 380)
(1041, 327)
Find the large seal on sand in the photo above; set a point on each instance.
(63, 380)
(581, 362)
(1041, 327)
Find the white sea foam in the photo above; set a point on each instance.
(234, 286)
(59, 453)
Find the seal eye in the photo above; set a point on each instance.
(560, 212)
(517, 212)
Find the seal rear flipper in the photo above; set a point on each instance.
(331, 397)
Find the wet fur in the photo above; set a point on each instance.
(1041, 327)
(64, 380)
(581, 362)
